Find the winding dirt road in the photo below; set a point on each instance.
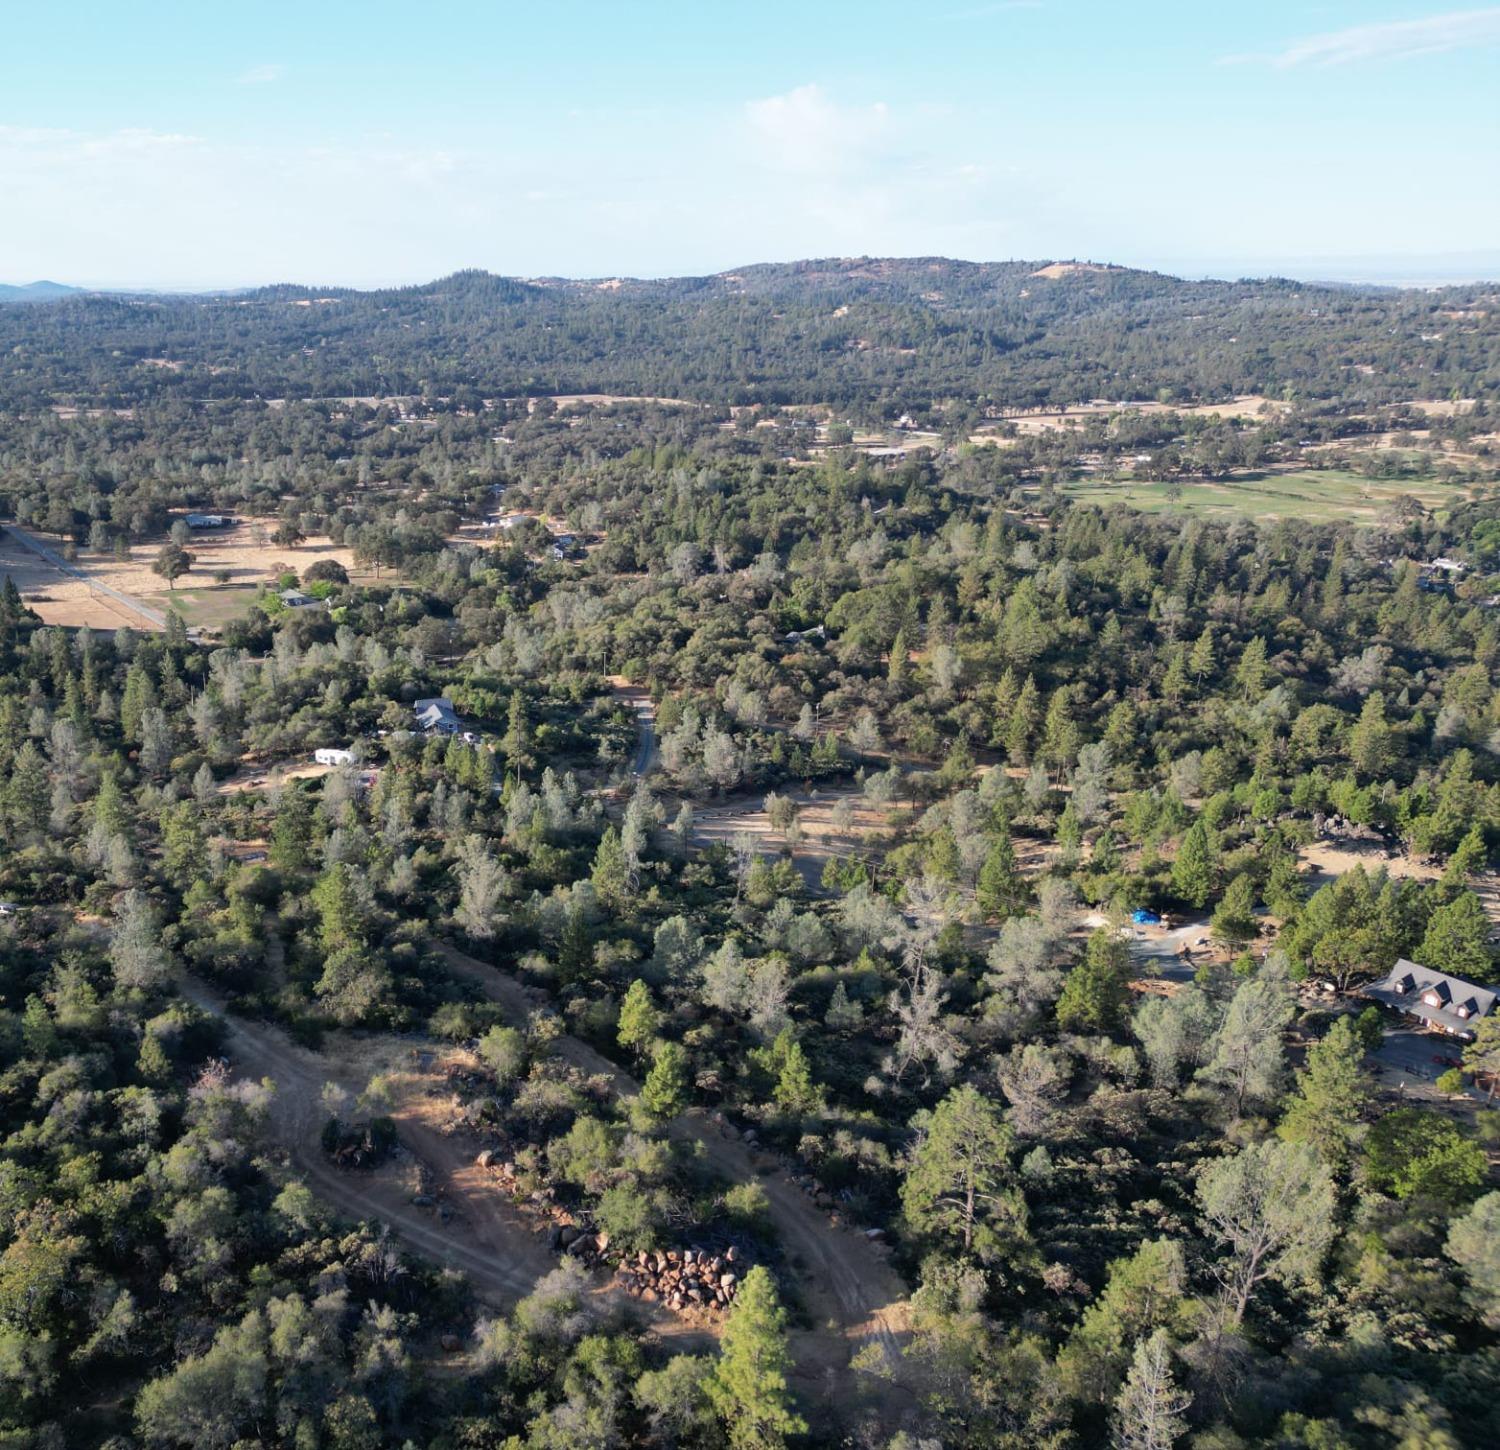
(853, 1295)
(498, 1250)
(850, 1289)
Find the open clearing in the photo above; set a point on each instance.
(243, 553)
(60, 598)
(1318, 495)
(719, 822)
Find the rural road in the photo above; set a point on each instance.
(154, 617)
(506, 1256)
(845, 1280)
(638, 697)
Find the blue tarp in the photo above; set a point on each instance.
(1143, 917)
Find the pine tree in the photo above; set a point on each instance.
(1233, 920)
(1252, 672)
(1370, 740)
(1201, 662)
(1467, 858)
(1096, 990)
(795, 1091)
(517, 742)
(958, 1183)
(900, 649)
(1020, 730)
(664, 1094)
(1332, 1091)
(1457, 939)
(339, 927)
(1060, 735)
(749, 1388)
(639, 1019)
(611, 873)
(1149, 1411)
(1195, 870)
(27, 794)
(1174, 680)
(139, 696)
(291, 834)
(1001, 889)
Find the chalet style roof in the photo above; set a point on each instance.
(1446, 1002)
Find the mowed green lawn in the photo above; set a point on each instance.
(1319, 495)
(210, 607)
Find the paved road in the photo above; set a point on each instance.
(154, 616)
(638, 697)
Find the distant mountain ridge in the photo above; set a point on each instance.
(888, 334)
(36, 291)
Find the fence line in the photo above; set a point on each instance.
(51, 556)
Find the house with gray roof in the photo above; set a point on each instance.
(437, 716)
(1446, 1003)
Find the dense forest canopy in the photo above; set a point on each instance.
(697, 925)
(874, 334)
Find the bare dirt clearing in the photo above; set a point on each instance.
(1324, 861)
(848, 1285)
(60, 598)
(1068, 269)
(483, 1235)
(241, 553)
(268, 777)
(501, 1267)
(1247, 405)
(721, 821)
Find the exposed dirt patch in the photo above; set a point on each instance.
(821, 839)
(844, 1278)
(1068, 269)
(60, 598)
(268, 777)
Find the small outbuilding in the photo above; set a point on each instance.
(333, 756)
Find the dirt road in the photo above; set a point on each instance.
(501, 1254)
(850, 1289)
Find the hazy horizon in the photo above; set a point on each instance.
(192, 148)
(1417, 272)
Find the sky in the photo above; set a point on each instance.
(190, 145)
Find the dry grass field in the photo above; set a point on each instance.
(242, 553)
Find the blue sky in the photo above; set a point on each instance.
(198, 145)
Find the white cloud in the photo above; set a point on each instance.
(260, 75)
(808, 134)
(1393, 40)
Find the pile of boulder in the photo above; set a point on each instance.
(682, 1279)
(1345, 829)
(689, 1281)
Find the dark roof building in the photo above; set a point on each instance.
(1448, 1003)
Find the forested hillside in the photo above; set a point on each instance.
(630, 924)
(879, 335)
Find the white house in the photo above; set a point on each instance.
(326, 756)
